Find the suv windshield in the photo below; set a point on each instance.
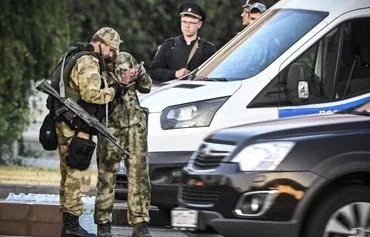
(257, 47)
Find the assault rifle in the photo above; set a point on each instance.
(77, 110)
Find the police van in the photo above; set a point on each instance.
(299, 58)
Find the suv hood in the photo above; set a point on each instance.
(298, 126)
(181, 92)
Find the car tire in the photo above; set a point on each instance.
(345, 212)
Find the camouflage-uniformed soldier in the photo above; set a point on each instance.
(128, 122)
(75, 146)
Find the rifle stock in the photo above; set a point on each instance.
(76, 109)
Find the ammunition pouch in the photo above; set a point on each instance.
(80, 152)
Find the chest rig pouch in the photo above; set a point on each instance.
(80, 152)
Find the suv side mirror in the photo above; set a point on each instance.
(302, 84)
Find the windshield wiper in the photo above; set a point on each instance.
(192, 74)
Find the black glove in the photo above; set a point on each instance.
(119, 88)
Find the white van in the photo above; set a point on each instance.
(300, 57)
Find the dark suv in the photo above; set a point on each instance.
(300, 177)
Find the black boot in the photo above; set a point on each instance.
(104, 230)
(141, 230)
(71, 227)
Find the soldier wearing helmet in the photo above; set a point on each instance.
(79, 75)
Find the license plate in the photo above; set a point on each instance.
(184, 218)
(121, 168)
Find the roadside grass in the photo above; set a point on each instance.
(34, 175)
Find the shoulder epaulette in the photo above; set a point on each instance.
(206, 42)
(169, 39)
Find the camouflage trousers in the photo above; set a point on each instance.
(134, 139)
(74, 183)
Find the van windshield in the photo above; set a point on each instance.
(252, 50)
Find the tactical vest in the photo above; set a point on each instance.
(64, 67)
(66, 63)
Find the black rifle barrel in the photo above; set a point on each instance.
(73, 106)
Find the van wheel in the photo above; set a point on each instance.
(344, 213)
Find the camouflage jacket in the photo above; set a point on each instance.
(85, 78)
(128, 111)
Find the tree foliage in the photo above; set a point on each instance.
(144, 25)
(35, 33)
(31, 37)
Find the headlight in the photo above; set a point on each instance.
(195, 114)
(262, 156)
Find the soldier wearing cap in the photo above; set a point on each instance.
(179, 55)
(85, 83)
(251, 11)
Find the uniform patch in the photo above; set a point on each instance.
(95, 79)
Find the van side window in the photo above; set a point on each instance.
(354, 71)
(310, 78)
(334, 68)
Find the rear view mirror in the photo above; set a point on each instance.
(302, 84)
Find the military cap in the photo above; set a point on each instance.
(257, 7)
(109, 36)
(192, 9)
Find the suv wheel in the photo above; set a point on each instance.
(344, 213)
